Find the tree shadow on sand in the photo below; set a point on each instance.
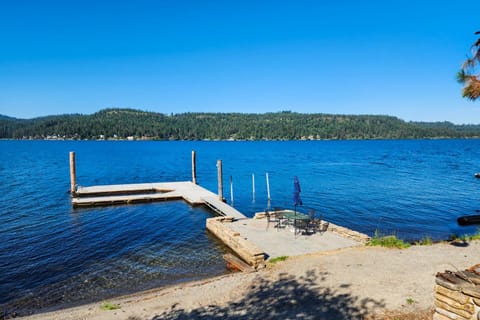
(286, 298)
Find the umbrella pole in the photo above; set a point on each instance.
(295, 221)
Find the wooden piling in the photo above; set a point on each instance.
(194, 167)
(220, 180)
(73, 173)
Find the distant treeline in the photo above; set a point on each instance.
(286, 125)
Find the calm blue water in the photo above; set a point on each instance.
(52, 254)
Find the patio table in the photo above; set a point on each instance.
(293, 219)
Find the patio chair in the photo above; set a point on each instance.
(323, 225)
(272, 218)
(302, 226)
(282, 221)
(313, 224)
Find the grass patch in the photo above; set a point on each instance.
(466, 237)
(278, 259)
(390, 241)
(475, 236)
(109, 306)
(410, 301)
(426, 241)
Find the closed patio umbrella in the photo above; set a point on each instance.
(297, 201)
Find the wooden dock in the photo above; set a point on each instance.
(106, 195)
(148, 192)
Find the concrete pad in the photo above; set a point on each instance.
(284, 242)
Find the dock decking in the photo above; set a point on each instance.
(149, 192)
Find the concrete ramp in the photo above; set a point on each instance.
(222, 208)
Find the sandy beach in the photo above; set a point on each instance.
(352, 283)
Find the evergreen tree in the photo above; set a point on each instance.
(469, 75)
(136, 124)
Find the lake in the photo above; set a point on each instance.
(52, 255)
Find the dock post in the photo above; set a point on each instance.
(73, 173)
(268, 187)
(253, 186)
(194, 167)
(220, 180)
(231, 190)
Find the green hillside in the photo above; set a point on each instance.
(136, 124)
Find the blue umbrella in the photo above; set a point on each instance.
(297, 201)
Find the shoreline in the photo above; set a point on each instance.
(350, 283)
(240, 140)
(120, 293)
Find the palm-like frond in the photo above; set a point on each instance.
(469, 64)
(461, 76)
(472, 89)
(468, 75)
(476, 55)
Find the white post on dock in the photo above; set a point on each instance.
(194, 167)
(253, 187)
(268, 187)
(220, 180)
(231, 190)
(73, 173)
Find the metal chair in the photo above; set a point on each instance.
(313, 223)
(271, 218)
(317, 225)
(282, 221)
(323, 226)
(302, 226)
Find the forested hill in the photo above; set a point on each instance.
(136, 124)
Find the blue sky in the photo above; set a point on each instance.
(396, 58)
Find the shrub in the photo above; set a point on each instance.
(466, 237)
(277, 259)
(390, 241)
(109, 306)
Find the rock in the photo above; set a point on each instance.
(472, 276)
(438, 316)
(447, 315)
(448, 285)
(475, 269)
(245, 249)
(452, 294)
(454, 278)
(472, 291)
(468, 307)
(459, 312)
